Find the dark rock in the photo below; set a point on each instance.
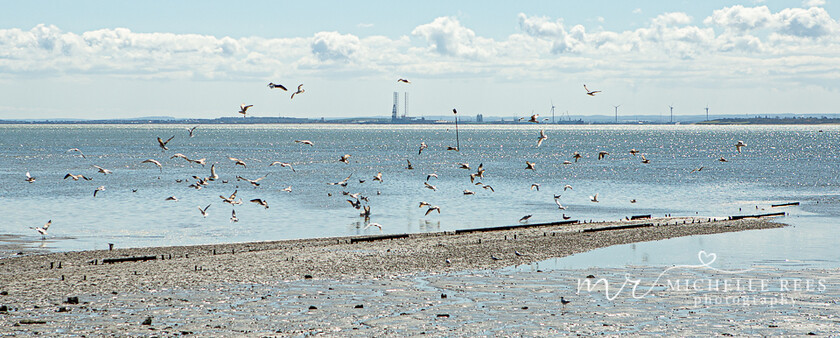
(360, 306)
(313, 307)
(4, 293)
(590, 276)
(63, 309)
(307, 276)
(4, 308)
(72, 300)
(443, 315)
(524, 308)
(147, 321)
(442, 296)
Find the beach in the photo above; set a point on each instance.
(177, 288)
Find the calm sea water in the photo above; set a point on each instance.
(779, 164)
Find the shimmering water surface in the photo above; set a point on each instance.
(779, 164)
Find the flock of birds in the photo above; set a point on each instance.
(355, 200)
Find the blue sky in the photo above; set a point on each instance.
(114, 59)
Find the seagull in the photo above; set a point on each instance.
(721, 159)
(698, 169)
(344, 159)
(233, 217)
(365, 212)
(374, 225)
(535, 118)
(530, 165)
(378, 177)
(254, 182)
(191, 130)
(464, 166)
(577, 156)
(162, 143)
(237, 161)
(602, 154)
(431, 175)
(564, 301)
(422, 146)
(515, 252)
(29, 178)
(525, 218)
(633, 201)
(422, 204)
(493, 257)
(343, 182)
(566, 217)
(229, 199)
(213, 175)
(179, 155)
(567, 187)
(535, 186)
(488, 187)
(432, 208)
(283, 164)
(590, 92)
(43, 230)
(198, 161)
(355, 204)
(171, 198)
(273, 85)
(409, 166)
(98, 189)
(468, 192)
(260, 202)
(287, 189)
(243, 109)
(103, 170)
(204, 211)
(155, 162)
(645, 160)
(305, 142)
(541, 138)
(633, 152)
(567, 162)
(452, 148)
(739, 145)
(404, 80)
(559, 206)
(77, 150)
(454, 111)
(429, 186)
(594, 198)
(299, 91)
(77, 177)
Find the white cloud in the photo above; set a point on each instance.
(813, 3)
(446, 36)
(637, 11)
(334, 46)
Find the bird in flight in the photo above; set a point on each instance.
(155, 162)
(530, 165)
(535, 186)
(432, 208)
(343, 182)
(422, 146)
(577, 156)
(254, 182)
(535, 118)
(204, 211)
(739, 145)
(243, 109)
(633, 152)
(590, 92)
(229, 199)
(542, 138)
(345, 158)
(260, 202)
(191, 130)
(404, 80)
(273, 85)
(594, 198)
(305, 142)
(567, 187)
(102, 170)
(236, 162)
(698, 169)
(378, 177)
(645, 160)
(30, 178)
(409, 166)
(76, 177)
(162, 144)
(43, 230)
(77, 150)
(429, 186)
(233, 217)
(525, 218)
(282, 164)
(171, 198)
(98, 189)
(299, 91)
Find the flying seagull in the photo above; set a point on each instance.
(76, 177)
(541, 138)
(345, 158)
(243, 109)
(590, 92)
(254, 182)
(191, 130)
(102, 170)
(525, 218)
(155, 162)
(162, 143)
(404, 80)
(305, 142)
(602, 154)
(233, 217)
(236, 161)
(43, 230)
(432, 208)
(77, 150)
(422, 146)
(739, 145)
(260, 202)
(30, 178)
(530, 165)
(594, 198)
(273, 85)
(204, 211)
(98, 189)
(299, 91)
(282, 164)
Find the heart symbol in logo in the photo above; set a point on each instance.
(706, 258)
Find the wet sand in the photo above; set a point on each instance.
(267, 288)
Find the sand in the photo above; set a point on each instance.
(381, 287)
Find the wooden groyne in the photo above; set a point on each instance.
(774, 214)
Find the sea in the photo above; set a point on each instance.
(779, 164)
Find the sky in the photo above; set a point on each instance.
(202, 59)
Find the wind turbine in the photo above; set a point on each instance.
(552, 111)
(616, 113)
(672, 112)
(707, 112)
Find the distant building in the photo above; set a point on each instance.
(479, 118)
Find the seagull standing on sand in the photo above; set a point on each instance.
(43, 230)
(243, 109)
(204, 211)
(299, 91)
(162, 143)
